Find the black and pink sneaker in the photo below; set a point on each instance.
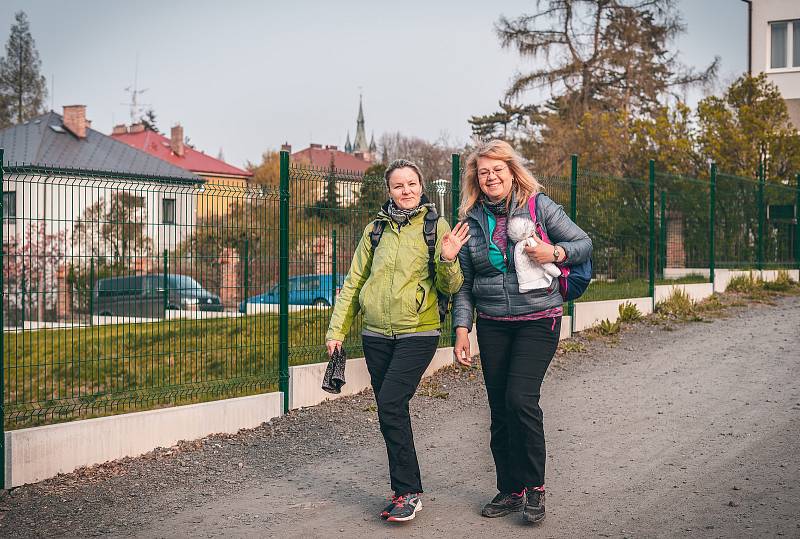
(534, 505)
(405, 507)
(503, 504)
(388, 508)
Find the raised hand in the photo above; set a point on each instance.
(454, 240)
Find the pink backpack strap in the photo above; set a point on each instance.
(532, 209)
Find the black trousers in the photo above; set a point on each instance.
(395, 369)
(514, 359)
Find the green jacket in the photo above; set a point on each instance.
(392, 286)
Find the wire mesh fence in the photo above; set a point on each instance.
(118, 294)
(125, 292)
(683, 225)
(614, 212)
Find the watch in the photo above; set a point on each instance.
(555, 253)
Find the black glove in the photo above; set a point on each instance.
(333, 380)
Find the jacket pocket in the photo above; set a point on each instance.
(421, 297)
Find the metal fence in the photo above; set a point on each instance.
(125, 292)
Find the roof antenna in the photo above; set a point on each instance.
(135, 92)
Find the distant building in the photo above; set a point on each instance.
(74, 197)
(72, 167)
(356, 158)
(774, 43)
(368, 152)
(224, 182)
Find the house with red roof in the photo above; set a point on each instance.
(224, 182)
(321, 157)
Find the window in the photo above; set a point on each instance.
(9, 204)
(796, 44)
(168, 211)
(784, 44)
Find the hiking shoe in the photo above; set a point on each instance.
(503, 504)
(405, 507)
(534, 505)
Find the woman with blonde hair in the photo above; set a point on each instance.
(517, 331)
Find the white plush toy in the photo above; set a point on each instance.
(530, 274)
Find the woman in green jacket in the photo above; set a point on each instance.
(392, 285)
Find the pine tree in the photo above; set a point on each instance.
(23, 89)
(149, 120)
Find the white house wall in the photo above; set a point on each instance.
(787, 79)
(61, 202)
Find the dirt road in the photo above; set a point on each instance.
(693, 431)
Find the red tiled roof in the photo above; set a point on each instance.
(197, 162)
(321, 158)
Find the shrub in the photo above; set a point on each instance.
(745, 283)
(607, 327)
(678, 304)
(628, 312)
(782, 282)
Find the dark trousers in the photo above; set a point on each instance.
(395, 369)
(514, 359)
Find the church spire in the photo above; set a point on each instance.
(372, 146)
(360, 142)
(348, 147)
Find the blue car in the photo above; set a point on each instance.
(311, 289)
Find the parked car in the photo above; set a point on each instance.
(143, 295)
(303, 290)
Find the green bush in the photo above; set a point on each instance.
(628, 312)
(745, 283)
(607, 327)
(678, 304)
(782, 283)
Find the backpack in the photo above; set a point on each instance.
(574, 279)
(429, 232)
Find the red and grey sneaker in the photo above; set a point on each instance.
(503, 504)
(405, 507)
(534, 505)
(388, 508)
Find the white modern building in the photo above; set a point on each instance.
(775, 47)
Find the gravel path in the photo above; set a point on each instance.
(666, 430)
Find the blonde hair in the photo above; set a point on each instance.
(523, 186)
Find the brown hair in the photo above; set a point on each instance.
(524, 185)
(402, 163)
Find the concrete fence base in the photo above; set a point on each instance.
(37, 453)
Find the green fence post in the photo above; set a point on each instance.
(662, 233)
(246, 273)
(455, 202)
(91, 291)
(712, 213)
(166, 282)
(283, 313)
(796, 224)
(334, 276)
(455, 183)
(2, 338)
(652, 253)
(760, 245)
(573, 214)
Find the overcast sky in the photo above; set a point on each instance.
(245, 76)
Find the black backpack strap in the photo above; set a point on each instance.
(378, 227)
(429, 231)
